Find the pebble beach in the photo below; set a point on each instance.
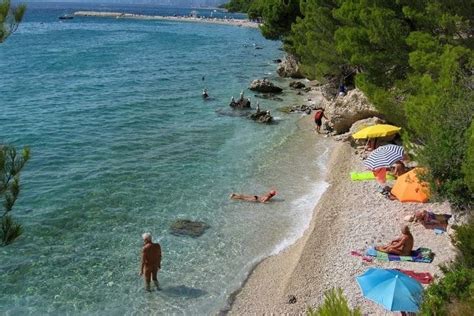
(350, 216)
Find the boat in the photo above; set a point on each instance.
(66, 17)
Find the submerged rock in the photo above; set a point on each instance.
(268, 96)
(297, 85)
(185, 227)
(265, 86)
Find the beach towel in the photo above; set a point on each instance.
(437, 221)
(366, 175)
(422, 277)
(419, 255)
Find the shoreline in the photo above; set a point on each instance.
(190, 19)
(349, 216)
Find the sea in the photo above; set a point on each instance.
(122, 143)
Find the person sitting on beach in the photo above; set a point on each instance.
(398, 169)
(254, 198)
(431, 220)
(402, 246)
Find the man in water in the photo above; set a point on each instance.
(318, 118)
(205, 95)
(254, 198)
(151, 261)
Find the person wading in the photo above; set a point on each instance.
(151, 261)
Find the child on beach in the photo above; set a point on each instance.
(318, 117)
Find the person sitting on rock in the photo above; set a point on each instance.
(254, 198)
(401, 246)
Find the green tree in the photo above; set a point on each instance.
(312, 41)
(278, 16)
(10, 18)
(11, 163)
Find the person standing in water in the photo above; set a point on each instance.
(151, 261)
(318, 118)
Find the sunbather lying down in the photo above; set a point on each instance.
(402, 246)
(254, 198)
(432, 220)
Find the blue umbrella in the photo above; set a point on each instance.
(384, 157)
(392, 289)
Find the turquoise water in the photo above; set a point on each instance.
(122, 143)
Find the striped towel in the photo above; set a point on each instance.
(419, 255)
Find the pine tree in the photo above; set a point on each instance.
(10, 18)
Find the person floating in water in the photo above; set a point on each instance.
(258, 107)
(205, 95)
(151, 261)
(254, 198)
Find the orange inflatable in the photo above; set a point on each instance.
(408, 188)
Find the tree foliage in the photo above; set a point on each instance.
(413, 60)
(11, 164)
(10, 18)
(334, 304)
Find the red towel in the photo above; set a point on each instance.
(422, 277)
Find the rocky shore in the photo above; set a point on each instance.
(121, 15)
(351, 216)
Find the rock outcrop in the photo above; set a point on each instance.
(185, 227)
(345, 111)
(357, 126)
(240, 104)
(265, 86)
(297, 85)
(289, 68)
(261, 117)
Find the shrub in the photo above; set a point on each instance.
(334, 304)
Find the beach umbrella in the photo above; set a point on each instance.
(408, 188)
(378, 130)
(392, 289)
(384, 157)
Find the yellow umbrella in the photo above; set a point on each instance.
(379, 130)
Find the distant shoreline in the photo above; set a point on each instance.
(121, 15)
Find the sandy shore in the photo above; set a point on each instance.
(121, 15)
(349, 216)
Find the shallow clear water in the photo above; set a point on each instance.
(122, 143)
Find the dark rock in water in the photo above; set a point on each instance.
(277, 61)
(291, 299)
(261, 117)
(268, 96)
(233, 112)
(298, 108)
(185, 227)
(265, 86)
(297, 85)
(240, 104)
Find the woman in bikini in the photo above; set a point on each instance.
(254, 198)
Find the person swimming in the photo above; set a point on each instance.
(254, 198)
(205, 95)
